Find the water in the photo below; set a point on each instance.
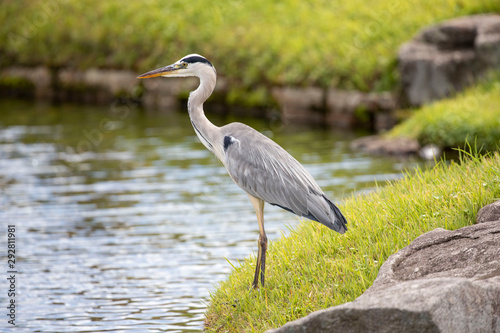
(125, 221)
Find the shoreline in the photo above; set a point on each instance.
(335, 108)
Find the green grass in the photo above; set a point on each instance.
(315, 268)
(254, 44)
(471, 116)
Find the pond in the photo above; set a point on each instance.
(125, 222)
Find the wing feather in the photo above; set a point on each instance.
(266, 171)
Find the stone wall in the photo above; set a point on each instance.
(313, 105)
(337, 108)
(439, 61)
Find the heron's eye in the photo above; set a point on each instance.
(184, 64)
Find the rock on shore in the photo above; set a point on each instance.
(444, 281)
(447, 57)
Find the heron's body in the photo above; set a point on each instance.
(266, 171)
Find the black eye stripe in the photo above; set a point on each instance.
(193, 59)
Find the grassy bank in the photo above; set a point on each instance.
(471, 116)
(315, 268)
(252, 43)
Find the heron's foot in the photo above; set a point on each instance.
(255, 283)
(255, 286)
(260, 267)
(252, 288)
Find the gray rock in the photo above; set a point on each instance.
(335, 107)
(487, 43)
(115, 81)
(453, 34)
(164, 94)
(40, 76)
(448, 57)
(489, 212)
(444, 281)
(471, 252)
(300, 104)
(348, 109)
(434, 305)
(376, 144)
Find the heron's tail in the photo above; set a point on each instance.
(323, 210)
(340, 222)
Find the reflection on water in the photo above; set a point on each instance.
(124, 220)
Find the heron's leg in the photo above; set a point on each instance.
(260, 267)
(255, 283)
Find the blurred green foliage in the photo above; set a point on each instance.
(252, 43)
(472, 116)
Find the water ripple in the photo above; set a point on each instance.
(132, 235)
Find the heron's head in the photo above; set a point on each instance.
(190, 65)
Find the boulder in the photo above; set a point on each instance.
(114, 81)
(349, 109)
(471, 252)
(444, 281)
(449, 56)
(164, 94)
(40, 76)
(446, 305)
(487, 43)
(335, 107)
(376, 144)
(300, 104)
(488, 213)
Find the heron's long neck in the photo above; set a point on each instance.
(206, 131)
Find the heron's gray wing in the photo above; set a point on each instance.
(267, 171)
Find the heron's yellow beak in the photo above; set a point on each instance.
(164, 71)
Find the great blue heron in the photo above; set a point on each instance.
(267, 172)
